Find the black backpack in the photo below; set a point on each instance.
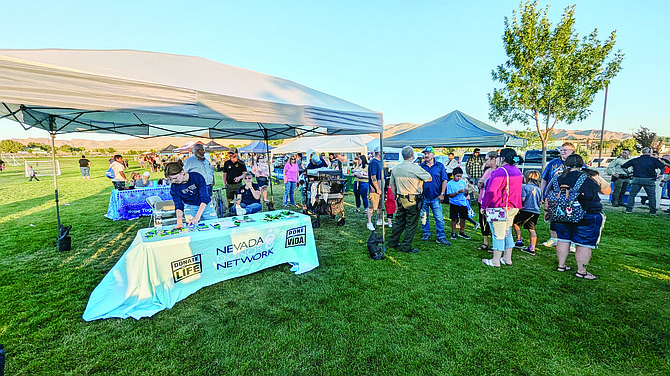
(374, 246)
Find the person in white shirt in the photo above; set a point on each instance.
(198, 163)
(450, 165)
(120, 178)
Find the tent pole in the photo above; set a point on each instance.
(53, 168)
(269, 162)
(383, 187)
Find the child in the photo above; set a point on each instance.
(456, 191)
(302, 188)
(531, 195)
(32, 174)
(389, 203)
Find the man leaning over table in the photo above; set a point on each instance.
(189, 193)
(198, 163)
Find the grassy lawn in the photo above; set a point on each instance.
(439, 312)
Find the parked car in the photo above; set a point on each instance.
(532, 159)
(605, 161)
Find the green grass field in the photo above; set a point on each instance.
(438, 312)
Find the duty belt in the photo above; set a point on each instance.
(409, 197)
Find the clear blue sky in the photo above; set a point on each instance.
(412, 60)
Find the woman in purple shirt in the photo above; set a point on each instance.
(503, 190)
(290, 180)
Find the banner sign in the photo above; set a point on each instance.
(129, 204)
(162, 267)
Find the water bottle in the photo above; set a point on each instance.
(2, 360)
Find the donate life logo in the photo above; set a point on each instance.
(186, 267)
(296, 237)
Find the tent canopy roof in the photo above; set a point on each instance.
(150, 94)
(335, 144)
(255, 147)
(455, 129)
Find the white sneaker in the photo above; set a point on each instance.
(240, 210)
(380, 222)
(390, 225)
(550, 243)
(371, 227)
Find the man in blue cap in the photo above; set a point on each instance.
(433, 193)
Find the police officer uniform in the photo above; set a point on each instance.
(407, 178)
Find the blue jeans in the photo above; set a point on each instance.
(289, 189)
(192, 210)
(436, 207)
(666, 189)
(361, 190)
(251, 208)
(649, 185)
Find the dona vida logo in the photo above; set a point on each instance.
(186, 267)
(296, 237)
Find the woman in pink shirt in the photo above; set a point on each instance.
(503, 190)
(489, 165)
(290, 180)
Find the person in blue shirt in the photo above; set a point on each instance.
(248, 197)
(189, 193)
(433, 196)
(531, 196)
(375, 183)
(458, 209)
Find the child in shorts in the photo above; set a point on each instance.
(458, 209)
(531, 196)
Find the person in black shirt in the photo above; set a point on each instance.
(248, 197)
(644, 176)
(585, 234)
(233, 170)
(85, 168)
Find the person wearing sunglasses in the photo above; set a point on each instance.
(233, 170)
(248, 197)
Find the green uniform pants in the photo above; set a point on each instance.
(406, 219)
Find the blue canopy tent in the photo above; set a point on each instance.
(255, 147)
(455, 129)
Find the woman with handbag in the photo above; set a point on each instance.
(501, 201)
(585, 234)
(489, 166)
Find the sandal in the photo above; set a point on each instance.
(586, 275)
(563, 268)
(483, 247)
(489, 262)
(503, 262)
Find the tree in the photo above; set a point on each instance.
(629, 143)
(11, 146)
(647, 139)
(532, 137)
(111, 150)
(550, 75)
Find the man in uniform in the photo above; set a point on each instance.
(198, 163)
(644, 176)
(407, 182)
(233, 171)
(620, 177)
(433, 196)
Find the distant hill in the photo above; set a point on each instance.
(559, 134)
(139, 144)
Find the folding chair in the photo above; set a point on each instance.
(163, 211)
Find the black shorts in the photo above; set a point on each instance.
(262, 181)
(458, 212)
(526, 219)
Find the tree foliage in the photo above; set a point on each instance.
(629, 143)
(647, 139)
(11, 146)
(551, 74)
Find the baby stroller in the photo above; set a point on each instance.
(325, 195)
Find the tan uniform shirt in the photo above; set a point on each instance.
(408, 178)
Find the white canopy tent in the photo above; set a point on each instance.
(335, 144)
(149, 94)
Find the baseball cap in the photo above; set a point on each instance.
(476, 150)
(232, 150)
(428, 149)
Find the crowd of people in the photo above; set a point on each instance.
(506, 201)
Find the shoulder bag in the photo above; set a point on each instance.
(499, 214)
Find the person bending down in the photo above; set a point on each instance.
(189, 193)
(248, 197)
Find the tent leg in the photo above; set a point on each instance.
(64, 240)
(269, 161)
(383, 187)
